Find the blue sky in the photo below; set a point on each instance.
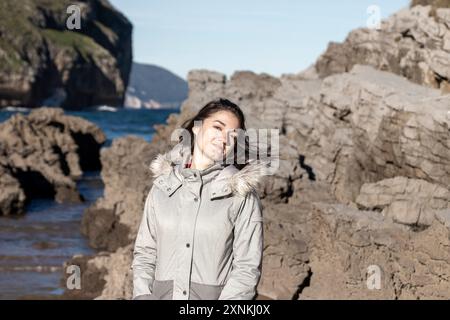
(276, 37)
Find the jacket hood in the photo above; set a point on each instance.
(240, 182)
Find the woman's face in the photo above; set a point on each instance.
(216, 136)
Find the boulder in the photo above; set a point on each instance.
(408, 201)
(105, 276)
(362, 255)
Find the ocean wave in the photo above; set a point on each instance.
(45, 269)
(106, 108)
(14, 109)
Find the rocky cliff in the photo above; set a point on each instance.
(363, 177)
(44, 63)
(414, 43)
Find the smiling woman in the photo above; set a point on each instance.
(201, 234)
(213, 134)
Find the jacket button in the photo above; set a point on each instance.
(187, 245)
(184, 292)
(195, 199)
(195, 175)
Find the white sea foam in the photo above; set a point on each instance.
(107, 108)
(21, 109)
(32, 268)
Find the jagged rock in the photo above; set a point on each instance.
(287, 241)
(43, 154)
(42, 63)
(350, 244)
(443, 216)
(407, 201)
(91, 274)
(412, 43)
(12, 196)
(434, 3)
(286, 252)
(99, 280)
(113, 220)
(119, 282)
(368, 125)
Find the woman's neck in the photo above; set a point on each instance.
(200, 161)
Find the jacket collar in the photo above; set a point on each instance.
(165, 168)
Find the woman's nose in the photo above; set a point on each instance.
(220, 137)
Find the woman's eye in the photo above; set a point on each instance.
(218, 128)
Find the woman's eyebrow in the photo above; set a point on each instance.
(220, 122)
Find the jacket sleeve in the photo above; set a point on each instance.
(247, 251)
(144, 254)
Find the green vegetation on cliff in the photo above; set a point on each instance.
(39, 55)
(75, 42)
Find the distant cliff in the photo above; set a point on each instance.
(44, 63)
(154, 87)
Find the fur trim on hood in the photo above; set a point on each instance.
(241, 181)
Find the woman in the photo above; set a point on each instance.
(201, 234)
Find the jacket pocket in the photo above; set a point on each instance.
(162, 289)
(201, 291)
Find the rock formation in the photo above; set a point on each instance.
(414, 43)
(361, 193)
(43, 154)
(350, 245)
(42, 63)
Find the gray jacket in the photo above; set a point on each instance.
(201, 234)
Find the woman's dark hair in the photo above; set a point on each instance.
(213, 107)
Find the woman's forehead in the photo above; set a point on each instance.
(225, 118)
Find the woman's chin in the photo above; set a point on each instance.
(216, 154)
(216, 157)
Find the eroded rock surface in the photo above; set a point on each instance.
(43, 154)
